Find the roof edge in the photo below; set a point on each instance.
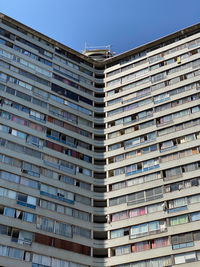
(140, 48)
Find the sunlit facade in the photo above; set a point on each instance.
(99, 156)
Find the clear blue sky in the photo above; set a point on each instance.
(124, 24)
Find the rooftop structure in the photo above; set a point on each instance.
(99, 53)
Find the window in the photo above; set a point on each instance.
(195, 216)
(172, 173)
(185, 258)
(167, 145)
(154, 193)
(120, 216)
(37, 116)
(27, 201)
(40, 259)
(9, 212)
(18, 134)
(122, 250)
(158, 262)
(31, 169)
(154, 208)
(83, 199)
(177, 203)
(194, 198)
(47, 205)
(29, 183)
(182, 240)
(54, 162)
(21, 237)
(117, 200)
(136, 198)
(149, 149)
(142, 179)
(139, 230)
(7, 193)
(142, 196)
(137, 212)
(28, 217)
(63, 229)
(10, 177)
(158, 77)
(4, 251)
(32, 140)
(178, 220)
(45, 224)
(147, 228)
(3, 77)
(164, 119)
(149, 164)
(119, 233)
(155, 58)
(61, 263)
(16, 253)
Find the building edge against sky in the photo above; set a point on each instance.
(99, 159)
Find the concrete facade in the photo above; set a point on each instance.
(99, 158)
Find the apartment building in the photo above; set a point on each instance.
(99, 155)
